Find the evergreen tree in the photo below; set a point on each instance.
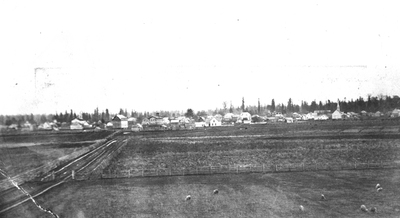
(290, 106)
(189, 113)
(272, 105)
(107, 116)
(313, 106)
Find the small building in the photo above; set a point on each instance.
(76, 126)
(109, 125)
(131, 121)
(228, 116)
(27, 126)
(395, 113)
(65, 126)
(155, 120)
(272, 119)
(289, 119)
(321, 112)
(145, 121)
(310, 116)
(136, 128)
(45, 126)
(200, 122)
(165, 120)
(218, 117)
(336, 115)
(377, 114)
(120, 122)
(245, 116)
(257, 119)
(212, 122)
(322, 117)
(15, 126)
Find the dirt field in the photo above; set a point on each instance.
(251, 195)
(244, 195)
(255, 145)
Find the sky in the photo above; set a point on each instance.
(174, 55)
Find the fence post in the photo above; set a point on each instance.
(53, 176)
(170, 171)
(73, 174)
(276, 168)
(355, 165)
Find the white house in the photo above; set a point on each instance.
(322, 117)
(76, 126)
(337, 115)
(228, 116)
(137, 128)
(200, 124)
(310, 116)
(218, 116)
(289, 119)
(245, 116)
(166, 120)
(213, 122)
(395, 113)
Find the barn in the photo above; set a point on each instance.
(120, 122)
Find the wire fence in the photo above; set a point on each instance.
(209, 170)
(37, 174)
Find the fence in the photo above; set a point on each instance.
(299, 167)
(97, 171)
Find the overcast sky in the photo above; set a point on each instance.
(174, 55)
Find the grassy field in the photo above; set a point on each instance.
(251, 195)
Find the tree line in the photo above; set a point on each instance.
(370, 104)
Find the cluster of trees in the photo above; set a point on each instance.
(371, 104)
(104, 116)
